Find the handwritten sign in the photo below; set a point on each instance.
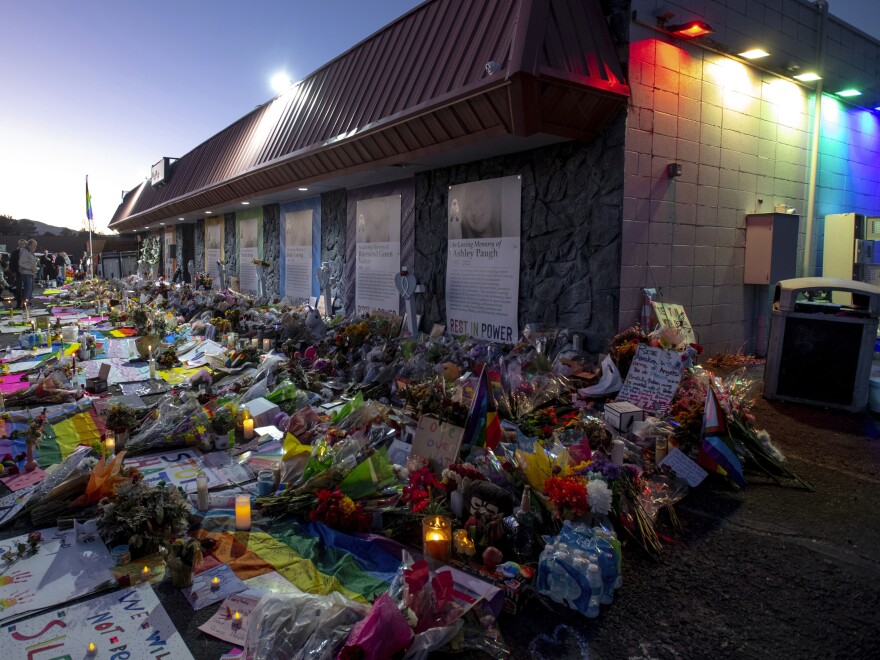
(438, 442)
(653, 379)
(130, 623)
(62, 569)
(176, 468)
(24, 479)
(684, 467)
(674, 316)
(224, 625)
(14, 502)
(202, 593)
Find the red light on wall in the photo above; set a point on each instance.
(690, 30)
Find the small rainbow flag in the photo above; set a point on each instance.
(716, 452)
(88, 200)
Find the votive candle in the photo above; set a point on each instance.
(248, 427)
(91, 650)
(215, 581)
(236, 620)
(267, 344)
(243, 513)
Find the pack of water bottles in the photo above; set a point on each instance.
(580, 568)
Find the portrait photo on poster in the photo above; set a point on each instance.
(484, 209)
(378, 220)
(298, 228)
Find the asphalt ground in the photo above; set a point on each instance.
(772, 572)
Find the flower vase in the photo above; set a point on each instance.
(181, 574)
(30, 464)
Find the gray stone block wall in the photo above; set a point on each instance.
(230, 244)
(272, 247)
(199, 246)
(333, 218)
(572, 196)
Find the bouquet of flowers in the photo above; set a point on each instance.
(150, 250)
(337, 510)
(204, 281)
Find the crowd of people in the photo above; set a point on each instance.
(23, 266)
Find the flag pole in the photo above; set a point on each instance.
(91, 254)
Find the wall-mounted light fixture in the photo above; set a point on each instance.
(690, 30)
(809, 76)
(754, 54)
(845, 93)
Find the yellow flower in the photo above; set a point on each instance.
(346, 505)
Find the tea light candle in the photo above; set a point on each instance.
(215, 581)
(267, 344)
(243, 513)
(236, 620)
(145, 574)
(110, 444)
(91, 650)
(437, 537)
(248, 427)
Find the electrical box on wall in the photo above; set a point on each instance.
(771, 247)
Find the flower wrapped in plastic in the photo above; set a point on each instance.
(178, 421)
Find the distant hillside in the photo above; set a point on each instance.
(26, 228)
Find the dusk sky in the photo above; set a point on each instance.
(106, 88)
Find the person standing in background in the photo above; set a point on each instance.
(13, 272)
(27, 270)
(60, 267)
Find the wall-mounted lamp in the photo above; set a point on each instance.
(690, 30)
(673, 170)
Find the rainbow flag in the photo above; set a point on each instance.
(88, 200)
(716, 451)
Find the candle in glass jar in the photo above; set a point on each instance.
(267, 344)
(110, 444)
(437, 537)
(242, 513)
(248, 427)
(255, 342)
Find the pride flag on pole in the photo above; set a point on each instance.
(88, 200)
(716, 453)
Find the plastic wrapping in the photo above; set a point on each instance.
(383, 633)
(67, 468)
(300, 626)
(659, 491)
(177, 421)
(264, 379)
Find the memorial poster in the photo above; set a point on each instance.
(129, 623)
(249, 231)
(377, 239)
(482, 265)
(298, 254)
(214, 238)
(653, 379)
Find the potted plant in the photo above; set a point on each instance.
(222, 423)
(121, 419)
(181, 557)
(143, 516)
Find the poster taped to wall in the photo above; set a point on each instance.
(378, 255)
(248, 249)
(482, 266)
(214, 247)
(298, 254)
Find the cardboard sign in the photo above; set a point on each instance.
(62, 569)
(437, 442)
(653, 379)
(674, 316)
(684, 467)
(130, 623)
(224, 625)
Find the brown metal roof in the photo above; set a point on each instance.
(417, 87)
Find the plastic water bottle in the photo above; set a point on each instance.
(563, 588)
(594, 578)
(608, 565)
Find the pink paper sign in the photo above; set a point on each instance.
(23, 480)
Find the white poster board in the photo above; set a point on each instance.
(377, 240)
(214, 237)
(482, 265)
(130, 623)
(248, 249)
(298, 254)
(438, 442)
(653, 379)
(62, 569)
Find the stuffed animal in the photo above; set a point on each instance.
(315, 324)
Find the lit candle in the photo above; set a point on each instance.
(242, 513)
(92, 650)
(255, 343)
(145, 574)
(236, 620)
(215, 581)
(110, 444)
(152, 368)
(437, 537)
(27, 311)
(248, 426)
(267, 344)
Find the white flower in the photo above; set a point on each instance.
(599, 496)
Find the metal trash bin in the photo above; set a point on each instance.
(820, 351)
